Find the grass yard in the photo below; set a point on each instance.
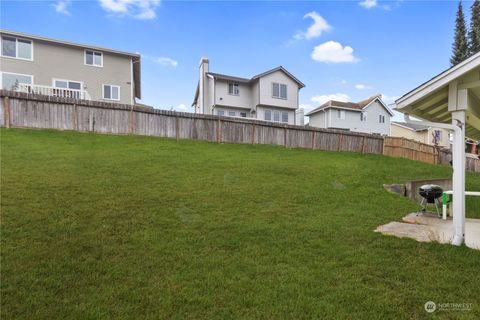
(126, 227)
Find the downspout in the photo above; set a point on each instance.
(458, 157)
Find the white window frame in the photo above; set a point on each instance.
(111, 85)
(92, 65)
(244, 112)
(16, 48)
(232, 111)
(66, 80)
(222, 111)
(281, 116)
(16, 73)
(280, 91)
(381, 118)
(234, 85)
(340, 114)
(276, 112)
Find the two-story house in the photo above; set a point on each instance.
(270, 96)
(46, 66)
(368, 116)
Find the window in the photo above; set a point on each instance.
(279, 90)
(243, 114)
(67, 84)
(232, 113)
(93, 58)
(285, 117)
(17, 48)
(363, 116)
(268, 115)
(10, 81)
(341, 114)
(438, 135)
(220, 113)
(381, 119)
(276, 116)
(233, 88)
(111, 92)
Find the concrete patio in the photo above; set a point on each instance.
(427, 227)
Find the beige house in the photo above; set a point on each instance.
(46, 66)
(270, 96)
(421, 133)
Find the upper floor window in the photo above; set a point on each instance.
(341, 114)
(279, 90)
(17, 48)
(111, 92)
(11, 81)
(363, 116)
(93, 58)
(233, 88)
(381, 118)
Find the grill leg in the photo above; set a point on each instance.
(437, 203)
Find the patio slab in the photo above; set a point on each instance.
(426, 227)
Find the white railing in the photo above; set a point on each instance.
(446, 200)
(51, 91)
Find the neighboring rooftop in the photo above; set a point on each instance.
(415, 127)
(355, 106)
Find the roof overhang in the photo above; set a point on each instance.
(455, 89)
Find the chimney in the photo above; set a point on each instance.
(203, 69)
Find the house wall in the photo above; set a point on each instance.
(232, 108)
(318, 119)
(444, 141)
(371, 125)
(243, 99)
(260, 114)
(424, 136)
(59, 61)
(266, 90)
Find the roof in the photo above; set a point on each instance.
(354, 106)
(412, 126)
(135, 56)
(246, 80)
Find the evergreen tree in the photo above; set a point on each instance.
(474, 33)
(460, 44)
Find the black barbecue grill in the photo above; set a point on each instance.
(430, 194)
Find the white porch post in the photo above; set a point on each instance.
(458, 119)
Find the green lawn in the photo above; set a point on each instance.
(97, 226)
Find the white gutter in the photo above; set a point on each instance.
(458, 158)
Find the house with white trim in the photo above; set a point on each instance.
(371, 115)
(40, 65)
(271, 96)
(422, 133)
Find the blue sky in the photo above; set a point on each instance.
(342, 49)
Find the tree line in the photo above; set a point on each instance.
(466, 42)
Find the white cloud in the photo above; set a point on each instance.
(333, 52)
(361, 86)
(315, 30)
(165, 61)
(321, 99)
(368, 4)
(182, 107)
(389, 99)
(62, 7)
(138, 9)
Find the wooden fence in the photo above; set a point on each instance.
(23, 110)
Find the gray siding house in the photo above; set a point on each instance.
(54, 67)
(367, 116)
(270, 96)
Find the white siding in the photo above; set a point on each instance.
(222, 97)
(266, 90)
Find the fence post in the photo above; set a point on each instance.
(363, 145)
(340, 141)
(177, 125)
(6, 112)
(285, 137)
(253, 134)
(219, 131)
(75, 118)
(314, 136)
